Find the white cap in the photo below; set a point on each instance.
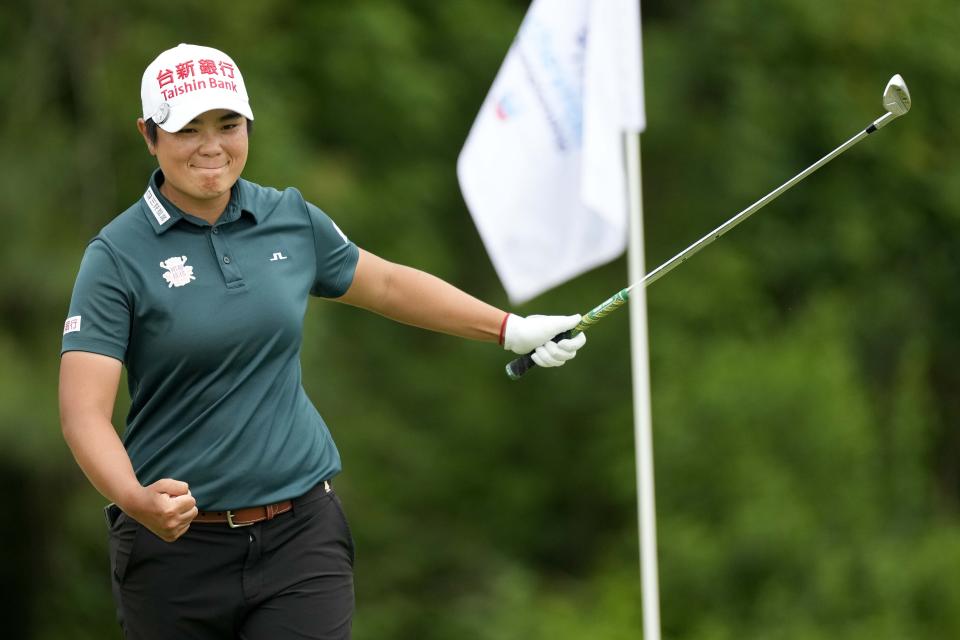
(188, 80)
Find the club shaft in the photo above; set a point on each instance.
(617, 300)
(693, 249)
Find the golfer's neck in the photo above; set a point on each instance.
(208, 209)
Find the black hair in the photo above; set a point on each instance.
(152, 129)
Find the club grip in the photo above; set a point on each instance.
(518, 367)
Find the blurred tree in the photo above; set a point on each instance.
(804, 390)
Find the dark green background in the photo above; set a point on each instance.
(805, 392)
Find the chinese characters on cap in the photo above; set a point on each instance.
(187, 76)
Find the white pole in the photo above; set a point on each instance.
(642, 423)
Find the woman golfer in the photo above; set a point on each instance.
(223, 522)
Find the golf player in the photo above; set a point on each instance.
(223, 520)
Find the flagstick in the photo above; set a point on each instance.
(643, 440)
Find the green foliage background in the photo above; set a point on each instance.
(805, 396)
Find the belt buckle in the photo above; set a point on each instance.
(236, 525)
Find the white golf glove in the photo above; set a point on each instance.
(535, 333)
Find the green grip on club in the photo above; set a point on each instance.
(518, 367)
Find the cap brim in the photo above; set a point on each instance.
(187, 110)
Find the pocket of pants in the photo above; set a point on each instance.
(122, 536)
(351, 547)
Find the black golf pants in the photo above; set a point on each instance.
(285, 578)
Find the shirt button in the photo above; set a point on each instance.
(216, 229)
(226, 259)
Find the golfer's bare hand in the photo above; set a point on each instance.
(165, 507)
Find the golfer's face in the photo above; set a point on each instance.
(202, 161)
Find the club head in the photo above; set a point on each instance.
(896, 97)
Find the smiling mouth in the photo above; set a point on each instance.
(196, 166)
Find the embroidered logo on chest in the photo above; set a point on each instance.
(178, 273)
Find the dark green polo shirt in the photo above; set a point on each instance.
(208, 321)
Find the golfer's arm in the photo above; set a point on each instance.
(88, 390)
(416, 298)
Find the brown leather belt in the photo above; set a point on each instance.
(236, 518)
(245, 517)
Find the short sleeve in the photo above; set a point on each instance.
(100, 307)
(336, 256)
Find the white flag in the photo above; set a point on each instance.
(542, 170)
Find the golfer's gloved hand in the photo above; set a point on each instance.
(535, 333)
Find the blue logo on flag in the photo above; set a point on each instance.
(506, 107)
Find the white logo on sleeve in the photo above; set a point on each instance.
(278, 255)
(342, 234)
(71, 325)
(178, 273)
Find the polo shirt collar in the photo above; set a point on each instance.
(163, 214)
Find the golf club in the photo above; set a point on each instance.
(896, 100)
